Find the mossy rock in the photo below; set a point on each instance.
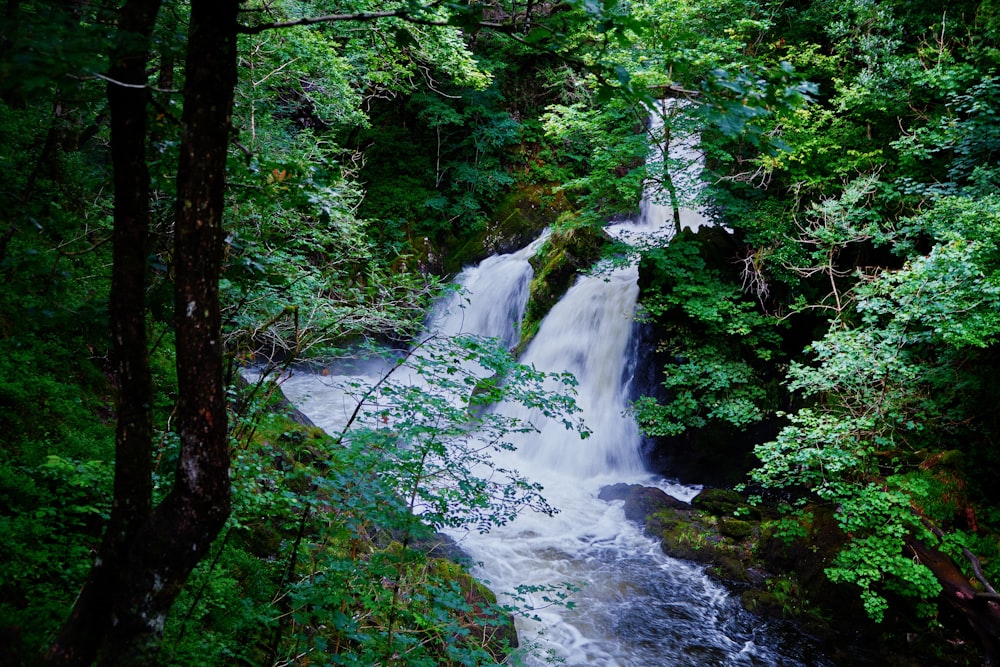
(719, 502)
(522, 214)
(517, 220)
(567, 252)
(736, 529)
(730, 569)
(482, 617)
(688, 541)
(263, 539)
(664, 520)
(808, 556)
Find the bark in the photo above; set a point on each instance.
(668, 182)
(78, 640)
(147, 554)
(182, 528)
(982, 612)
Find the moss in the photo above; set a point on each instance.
(682, 535)
(517, 220)
(735, 528)
(720, 502)
(568, 251)
(730, 568)
(484, 620)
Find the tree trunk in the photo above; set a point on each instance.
(147, 555)
(983, 614)
(78, 640)
(182, 528)
(668, 181)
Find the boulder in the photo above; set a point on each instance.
(735, 528)
(616, 491)
(645, 500)
(719, 502)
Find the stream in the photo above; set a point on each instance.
(632, 606)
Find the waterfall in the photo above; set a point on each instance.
(492, 297)
(587, 334)
(635, 606)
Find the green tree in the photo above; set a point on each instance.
(150, 548)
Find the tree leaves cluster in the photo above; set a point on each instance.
(871, 237)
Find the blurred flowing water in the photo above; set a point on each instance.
(634, 606)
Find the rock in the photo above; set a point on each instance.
(681, 537)
(719, 502)
(660, 522)
(645, 500)
(729, 569)
(568, 251)
(735, 528)
(481, 616)
(441, 545)
(616, 491)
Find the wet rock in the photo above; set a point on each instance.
(735, 528)
(643, 501)
(567, 252)
(616, 491)
(720, 502)
(682, 536)
(730, 569)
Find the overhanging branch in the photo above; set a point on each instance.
(359, 17)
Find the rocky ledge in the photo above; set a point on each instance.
(778, 571)
(717, 528)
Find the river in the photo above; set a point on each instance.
(633, 606)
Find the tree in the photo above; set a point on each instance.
(148, 552)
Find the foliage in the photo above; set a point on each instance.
(366, 150)
(332, 552)
(878, 211)
(601, 142)
(898, 389)
(51, 514)
(303, 272)
(708, 379)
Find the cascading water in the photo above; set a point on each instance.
(635, 606)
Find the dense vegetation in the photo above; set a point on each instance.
(194, 187)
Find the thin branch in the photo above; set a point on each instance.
(273, 72)
(360, 17)
(375, 387)
(138, 86)
(977, 568)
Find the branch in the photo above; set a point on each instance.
(361, 17)
(508, 29)
(977, 569)
(371, 390)
(115, 82)
(675, 90)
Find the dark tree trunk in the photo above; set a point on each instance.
(668, 182)
(147, 554)
(183, 526)
(78, 641)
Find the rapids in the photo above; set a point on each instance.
(633, 606)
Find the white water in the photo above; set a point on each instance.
(636, 607)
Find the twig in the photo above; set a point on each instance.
(977, 569)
